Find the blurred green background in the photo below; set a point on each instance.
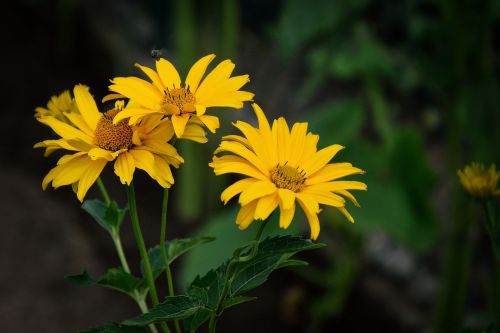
(411, 88)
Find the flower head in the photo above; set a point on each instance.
(94, 140)
(479, 182)
(182, 102)
(283, 167)
(58, 107)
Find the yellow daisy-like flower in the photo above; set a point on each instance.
(58, 107)
(95, 141)
(166, 95)
(479, 182)
(283, 167)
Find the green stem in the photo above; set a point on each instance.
(163, 250)
(103, 190)
(134, 217)
(229, 278)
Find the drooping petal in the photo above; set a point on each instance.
(125, 167)
(265, 206)
(286, 216)
(312, 218)
(211, 122)
(245, 215)
(287, 198)
(144, 160)
(179, 123)
(89, 177)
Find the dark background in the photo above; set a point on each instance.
(409, 87)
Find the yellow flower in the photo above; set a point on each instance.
(58, 107)
(283, 167)
(479, 182)
(166, 95)
(94, 141)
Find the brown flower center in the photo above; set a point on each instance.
(113, 137)
(181, 98)
(284, 176)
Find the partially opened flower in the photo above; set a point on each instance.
(478, 181)
(182, 102)
(94, 141)
(283, 168)
(58, 107)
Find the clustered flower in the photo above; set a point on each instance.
(282, 167)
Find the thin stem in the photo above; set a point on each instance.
(229, 279)
(163, 250)
(103, 190)
(134, 217)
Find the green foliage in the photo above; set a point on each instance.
(115, 278)
(109, 216)
(223, 287)
(174, 249)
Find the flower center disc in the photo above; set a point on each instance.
(284, 176)
(181, 98)
(113, 137)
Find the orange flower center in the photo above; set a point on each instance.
(113, 137)
(177, 101)
(284, 176)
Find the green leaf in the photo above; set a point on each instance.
(115, 328)
(232, 301)
(191, 324)
(173, 308)
(115, 278)
(293, 262)
(109, 216)
(174, 248)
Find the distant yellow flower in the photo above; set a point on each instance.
(95, 141)
(166, 95)
(479, 182)
(283, 167)
(58, 107)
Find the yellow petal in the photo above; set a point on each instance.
(64, 130)
(235, 189)
(89, 177)
(256, 190)
(125, 167)
(312, 218)
(168, 74)
(99, 153)
(200, 109)
(320, 159)
(325, 197)
(297, 142)
(287, 198)
(163, 173)
(340, 185)
(70, 172)
(111, 97)
(141, 91)
(245, 215)
(281, 134)
(138, 113)
(212, 122)
(144, 160)
(179, 123)
(79, 122)
(195, 133)
(197, 71)
(349, 196)
(286, 216)
(346, 214)
(265, 206)
(240, 150)
(86, 105)
(209, 85)
(331, 172)
(153, 76)
(235, 164)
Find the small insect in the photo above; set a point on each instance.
(156, 53)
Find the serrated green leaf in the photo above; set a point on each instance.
(109, 216)
(237, 300)
(116, 328)
(115, 278)
(173, 308)
(174, 248)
